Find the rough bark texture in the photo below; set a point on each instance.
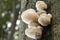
(55, 10)
(52, 31)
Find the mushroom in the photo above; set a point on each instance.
(35, 32)
(29, 15)
(44, 19)
(41, 5)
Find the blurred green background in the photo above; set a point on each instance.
(8, 10)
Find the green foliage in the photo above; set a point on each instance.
(6, 9)
(6, 5)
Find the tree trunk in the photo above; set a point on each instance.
(52, 31)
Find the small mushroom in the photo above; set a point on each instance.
(41, 5)
(35, 32)
(45, 19)
(29, 15)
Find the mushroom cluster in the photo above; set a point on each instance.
(33, 19)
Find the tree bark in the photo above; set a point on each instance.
(52, 31)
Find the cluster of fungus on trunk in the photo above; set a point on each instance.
(33, 19)
(44, 18)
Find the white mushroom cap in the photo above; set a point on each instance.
(41, 5)
(29, 15)
(34, 33)
(44, 19)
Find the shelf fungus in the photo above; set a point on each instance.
(35, 32)
(29, 15)
(45, 19)
(41, 5)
